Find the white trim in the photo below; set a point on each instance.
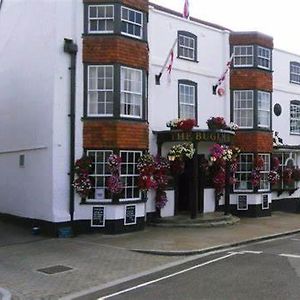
(264, 58)
(244, 55)
(180, 46)
(244, 109)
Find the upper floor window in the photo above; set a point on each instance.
(131, 22)
(295, 72)
(243, 56)
(187, 45)
(263, 109)
(243, 108)
(100, 90)
(263, 58)
(131, 92)
(295, 117)
(101, 18)
(187, 96)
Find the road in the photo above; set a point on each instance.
(265, 270)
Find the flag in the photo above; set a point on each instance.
(222, 78)
(170, 66)
(186, 9)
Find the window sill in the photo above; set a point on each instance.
(187, 59)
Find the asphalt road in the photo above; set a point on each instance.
(265, 270)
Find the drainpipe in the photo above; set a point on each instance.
(71, 48)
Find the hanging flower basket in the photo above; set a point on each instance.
(182, 124)
(215, 123)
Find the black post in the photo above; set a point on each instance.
(71, 48)
(227, 188)
(194, 187)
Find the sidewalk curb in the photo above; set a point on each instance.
(218, 247)
(4, 294)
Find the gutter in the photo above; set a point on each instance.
(71, 48)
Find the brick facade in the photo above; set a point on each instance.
(115, 49)
(251, 79)
(138, 4)
(248, 38)
(254, 141)
(115, 134)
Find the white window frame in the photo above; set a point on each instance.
(264, 54)
(182, 102)
(104, 164)
(97, 90)
(133, 93)
(240, 172)
(237, 57)
(265, 171)
(184, 46)
(134, 176)
(295, 118)
(132, 23)
(104, 19)
(262, 109)
(237, 204)
(240, 109)
(295, 72)
(262, 202)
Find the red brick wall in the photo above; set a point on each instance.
(254, 141)
(115, 49)
(118, 134)
(248, 38)
(138, 4)
(251, 79)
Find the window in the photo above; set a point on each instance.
(22, 160)
(263, 109)
(242, 203)
(101, 18)
(100, 174)
(131, 92)
(100, 90)
(295, 117)
(295, 72)
(243, 108)
(131, 22)
(129, 175)
(243, 56)
(187, 99)
(187, 45)
(263, 58)
(264, 182)
(243, 173)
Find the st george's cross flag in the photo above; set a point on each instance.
(186, 9)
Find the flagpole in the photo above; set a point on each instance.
(157, 77)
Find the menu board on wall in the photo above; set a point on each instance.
(130, 215)
(98, 219)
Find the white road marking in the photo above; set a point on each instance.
(295, 240)
(252, 252)
(168, 276)
(290, 255)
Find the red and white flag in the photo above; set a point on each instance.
(170, 66)
(186, 9)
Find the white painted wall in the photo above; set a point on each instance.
(284, 92)
(34, 85)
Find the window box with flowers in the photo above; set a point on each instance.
(181, 124)
(219, 123)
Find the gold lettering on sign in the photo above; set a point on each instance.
(216, 137)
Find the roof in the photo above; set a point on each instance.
(178, 14)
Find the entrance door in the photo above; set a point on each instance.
(186, 186)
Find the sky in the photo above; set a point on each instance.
(280, 19)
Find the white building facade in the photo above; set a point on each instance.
(80, 80)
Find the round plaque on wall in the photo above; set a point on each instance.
(277, 109)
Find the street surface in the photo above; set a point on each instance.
(265, 270)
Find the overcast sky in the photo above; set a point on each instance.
(280, 19)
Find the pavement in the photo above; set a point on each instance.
(38, 267)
